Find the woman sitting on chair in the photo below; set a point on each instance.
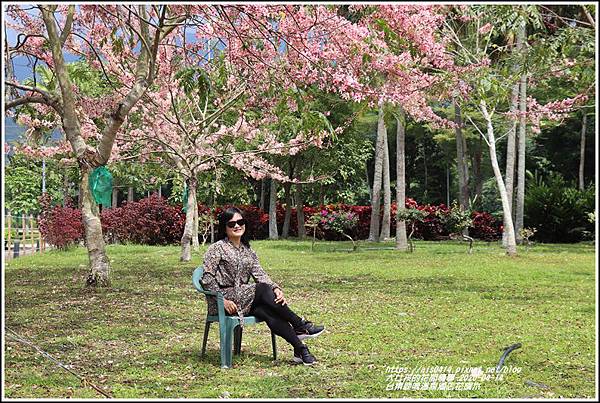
(228, 265)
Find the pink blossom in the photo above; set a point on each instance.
(486, 28)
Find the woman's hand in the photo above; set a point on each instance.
(230, 306)
(279, 298)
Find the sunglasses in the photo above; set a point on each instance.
(241, 223)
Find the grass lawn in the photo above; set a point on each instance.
(435, 307)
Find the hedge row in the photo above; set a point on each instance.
(153, 221)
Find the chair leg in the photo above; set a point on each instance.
(226, 340)
(205, 339)
(237, 341)
(274, 342)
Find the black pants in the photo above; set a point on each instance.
(280, 318)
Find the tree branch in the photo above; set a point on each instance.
(25, 100)
(69, 116)
(46, 97)
(142, 76)
(68, 25)
(588, 16)
(477, 127)
(220, 111)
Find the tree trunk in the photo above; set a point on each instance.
(261, 201)
(511, 245)
(461, 160)
(387, 192)
(510, 144)
(368, 182)
(582, 152)
(477, 169)
(522, 143)
(273, 210)
(424, 167)
(186, 239)
(300, 211)
(377, 177)
(401, 240)
(212, 221)
(321, 195)
(285, 231)
(115, 197)
(94, 240)
(195, 242)
(130, 194)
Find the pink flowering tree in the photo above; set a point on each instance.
(498, 88)
(267, 55)
(122, 42)
(216, 111)
(200, 120)
(414, 71)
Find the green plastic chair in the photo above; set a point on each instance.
(229, 326)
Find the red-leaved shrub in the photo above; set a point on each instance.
(149, 221)
(60, 226)
(485, 226)
(152, 221)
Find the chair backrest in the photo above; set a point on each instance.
(196, 278)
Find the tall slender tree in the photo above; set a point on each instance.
(377, 176)
(401, 238)
(461, 159)
(520, 202)
(511, 137)
(387, 193)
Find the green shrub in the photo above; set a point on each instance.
(559, 210)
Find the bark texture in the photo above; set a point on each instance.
(186, 238)
(300, 211)
(582, 152)
(273, 210)
(401, 239)
(99, 273)
(377, 177)
(511, 245)
(387, 193)
(461, 160)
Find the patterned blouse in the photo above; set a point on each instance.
(227, 269)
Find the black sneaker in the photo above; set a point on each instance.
(303, 356)
(308, 330)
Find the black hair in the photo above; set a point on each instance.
(227, 215)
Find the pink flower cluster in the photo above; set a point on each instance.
(555, 111)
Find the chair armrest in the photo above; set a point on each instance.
(220, 302)
(220, 299)
(221, 307)
(213, 293)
